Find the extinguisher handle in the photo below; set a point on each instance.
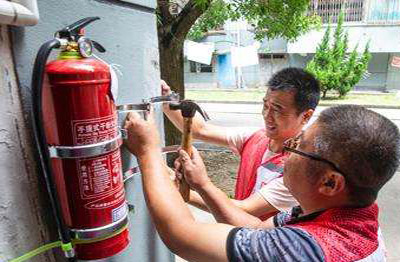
(73, 31)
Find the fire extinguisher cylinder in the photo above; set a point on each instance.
(74, 112)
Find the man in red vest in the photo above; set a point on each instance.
(289, 103)
(336, 171)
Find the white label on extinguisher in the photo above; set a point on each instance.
(100, 176)
(114, 83)
(119, 212)
(96, 130)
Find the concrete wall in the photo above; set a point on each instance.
(202, 79)
(128, 32)
(377, 68)
(384, 39)
(251, 76)
(393, 76)
(23, 208)
(378, 73)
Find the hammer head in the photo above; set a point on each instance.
(188, 109)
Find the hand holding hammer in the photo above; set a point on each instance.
(188, 109)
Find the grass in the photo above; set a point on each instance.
(375, 99)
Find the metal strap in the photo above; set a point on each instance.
(135, 171)
(173, 97)
(86, 150)
(99, 232)
(145, 106)
(134, 107)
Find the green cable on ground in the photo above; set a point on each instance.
(64, 247)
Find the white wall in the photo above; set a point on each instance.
(384, 39)
(22, 209)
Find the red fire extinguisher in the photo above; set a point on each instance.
(75, 123)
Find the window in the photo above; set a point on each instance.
(271, 56)
(200, 68)
(329, 10)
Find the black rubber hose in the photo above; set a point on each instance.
(40, 138)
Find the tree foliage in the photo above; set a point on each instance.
(214, 17)
(334, 67)
(272, 18)
(278, 18)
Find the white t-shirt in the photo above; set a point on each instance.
(269, 182)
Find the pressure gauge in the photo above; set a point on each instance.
(85, 47)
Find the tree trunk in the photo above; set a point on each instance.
(171, 65)
(172, 31)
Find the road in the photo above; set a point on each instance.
(248, 115)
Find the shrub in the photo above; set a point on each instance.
(333, 66)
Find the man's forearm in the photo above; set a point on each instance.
(173, 220)
(196, 201)
(175, 116)
(224, 210)
(163, 199)
(201, 130)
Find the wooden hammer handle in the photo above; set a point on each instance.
(187, 138)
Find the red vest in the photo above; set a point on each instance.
(250, 160)
(345, 234)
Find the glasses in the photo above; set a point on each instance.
(313, 157)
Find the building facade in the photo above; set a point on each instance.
(128, 31)
(377, 21)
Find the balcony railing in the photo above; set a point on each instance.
(358, 11)
(383, 12)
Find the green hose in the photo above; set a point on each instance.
(37, 251)
(55, 244)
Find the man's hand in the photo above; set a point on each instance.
(143, 136)
(165, 88)
(194, 169)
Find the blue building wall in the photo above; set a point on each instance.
(226, 73)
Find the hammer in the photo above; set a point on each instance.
(188, 109)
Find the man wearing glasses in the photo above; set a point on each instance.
(289, 103)
(336, 171)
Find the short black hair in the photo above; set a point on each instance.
(364, 144)
(305, 85)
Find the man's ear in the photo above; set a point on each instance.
(307, 116)
(332, 183)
